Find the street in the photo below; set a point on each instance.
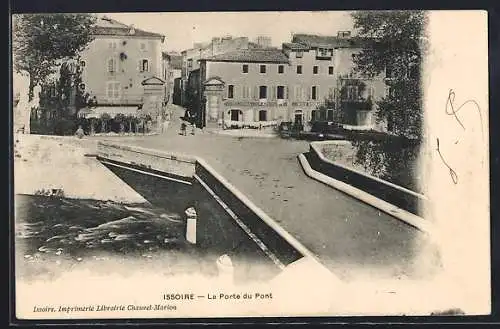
(350, 237)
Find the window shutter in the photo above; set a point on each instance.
(139, 65)
(318, 94)
(256, 92)
(273, 92)
(285, 96)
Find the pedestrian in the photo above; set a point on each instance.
(183, 128)
(193, 128)
(79, 132)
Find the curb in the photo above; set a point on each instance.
(243, 136)
(390, 209)
(271, 223)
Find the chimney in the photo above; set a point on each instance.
(344, 34)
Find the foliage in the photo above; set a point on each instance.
(64, 127)
(105, 117)
(40, 40)
(395, 43)
(395, 48)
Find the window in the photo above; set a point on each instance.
(324, 52)
(262, 92)
(83, 63)
(280, 92)
(245, 68)
(352, 92)
(262, 69)
(111, 65)
(143, 46)
(329, 115)
(330, 70)
(315, 69)
(314, 92)
(299, 54)
(113, 89)
(189, 63)
(245, 91)
(144, 65)
(388, 72)
(230, 91)
(112, 45)
(281, 69)
(299, 69)
(300, 93)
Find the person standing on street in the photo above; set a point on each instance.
(183, 128)
(79, 132)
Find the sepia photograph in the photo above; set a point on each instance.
(250, 164)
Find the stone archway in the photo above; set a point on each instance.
(213, 94)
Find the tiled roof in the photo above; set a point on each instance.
(313, 41)
(251, 55)
(108, 26)
(174, 58)
(295, 46)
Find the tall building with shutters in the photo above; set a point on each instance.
(118, 63)
(246, 87)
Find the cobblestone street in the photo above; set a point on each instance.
(350, 237)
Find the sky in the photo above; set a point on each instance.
(183, 29)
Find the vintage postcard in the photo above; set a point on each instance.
(250, 164)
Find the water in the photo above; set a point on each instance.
(55, 234)
(79, 228)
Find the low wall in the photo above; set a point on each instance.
(401, 197)
(173, 164)
(191, 172)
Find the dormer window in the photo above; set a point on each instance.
(324, 53)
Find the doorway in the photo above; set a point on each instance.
(235, 115)
(298, 117)
(262, 115)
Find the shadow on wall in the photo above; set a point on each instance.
(216, 232)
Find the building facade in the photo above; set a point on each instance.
(261, 86)
(218, 45)
(171, 71)
(117, 62)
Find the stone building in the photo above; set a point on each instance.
(118, 64)
(218, 45)
(171, 72)
(266, 86)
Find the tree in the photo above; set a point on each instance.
(120, 118)
(39, 41)
(105, 118)
(394, 48)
